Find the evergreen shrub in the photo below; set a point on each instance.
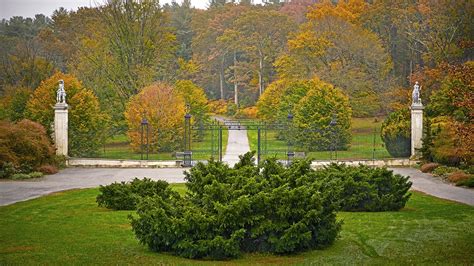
(254, 208)
(35, 174)
(313, 114)
(242, 209)
(365, 188)
(125, 195)
(7, 169)
(467, 183)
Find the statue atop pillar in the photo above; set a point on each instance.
(61, 93)
(416, 121)
(416, 100)
(61, 121)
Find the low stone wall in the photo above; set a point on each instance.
(377, 163)
(83, 162)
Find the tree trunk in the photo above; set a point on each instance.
(260, 76)
(236, 86)
(221, 78)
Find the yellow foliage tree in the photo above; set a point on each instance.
(334, 47)
(347, 10)
(268, 104)
(314, 113)
(164, 109)
(86, 121)
(195, 97)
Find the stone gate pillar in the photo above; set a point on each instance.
(61, 121)
(416, 122)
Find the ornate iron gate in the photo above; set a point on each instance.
(210, 138)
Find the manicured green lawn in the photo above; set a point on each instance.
(117, 147)
(366, 143)
(69, 228)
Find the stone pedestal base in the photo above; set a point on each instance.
(416, 129)
(61, 128)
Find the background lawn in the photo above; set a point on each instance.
(366, 143)
(118, 147)
(69, 228)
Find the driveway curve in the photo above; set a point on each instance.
(428, 184)
(70, 178)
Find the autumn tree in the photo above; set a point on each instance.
(164, 108)
(195, 98)
(323, 118)
(14, 102)
(126, 46)
(263, 35)
(441, 31)
(333, 46)
(87, 123)
(268, 103)
(235, 73)
(451, 110)
(297, 9)
(211, 54)
(313, 104)
(63, 40)
(422, 34)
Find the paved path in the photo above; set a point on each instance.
(14, 191)
(237, 144)
(433, 186)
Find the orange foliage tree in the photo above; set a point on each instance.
(86, 121)
(164, 109)
(451, 109)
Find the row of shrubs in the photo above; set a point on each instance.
(253, 208)
(461, 177)
(26, 151)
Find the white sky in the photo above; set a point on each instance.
(29, 8)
